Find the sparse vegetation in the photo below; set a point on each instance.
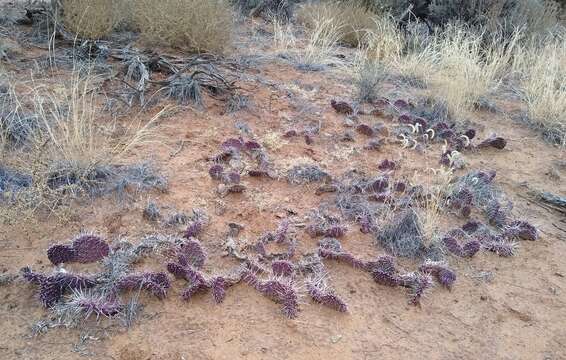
(356, 128)
(320, 44)
(352, 21)
(282, 10)
(197, 25)
(88, 19)
(57, 141)
(541, 66)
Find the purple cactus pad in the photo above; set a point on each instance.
(282, 268)
(90, 248)
(59, 254)
(216, 172)
(365, 130)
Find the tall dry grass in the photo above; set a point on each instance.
(384, 41)
(541, 69)
(321, 43)
(69, 140)
(196, 25)
(73, 130)
(433, 208)
(87, 18)
(352, 20)
(313, 52)
(456, 64)
(467, 68)
(284, 38)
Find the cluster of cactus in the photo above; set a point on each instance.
(387, 165)
(424, 131)
(217, 172)
(377, 185)
(440, 270)
(195, 224)
(283, 276)
(199, 282)
(53, 287)
(455, 142)
(451, 243)
(308, 134)
(384, 271)
(317, 283)
(402, 105)
(319, 291)
(234, 148)
(85, 248)
(157, 283)
(476, 189)
(520, 229)
(496, 213)
(367, 223)
(503, 244)
(493, 141)
(76, 296)
(323, 224)
(280, 289)
(190, 258)
(85, 303)
(330, 248)
(430, 121)
(379, 188)
(283, 268)
(284, 235)
(461, 201)
(490, 241)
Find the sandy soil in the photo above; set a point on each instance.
(500, 308)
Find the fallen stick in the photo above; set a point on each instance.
(556, 202)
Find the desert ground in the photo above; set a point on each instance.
(499, 307)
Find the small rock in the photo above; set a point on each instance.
(348, 122)
(336, 338)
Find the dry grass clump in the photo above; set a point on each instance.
(10, 50)
(432, 209)
(369, 79)
(532, 16)
(197, 25)
(468, 70)
(410, 58)
(320, 44)
(57, 139)
(384, 41)
(71, 125)
(353, 20)
(282, 10)
(88, 19)
(283, 37)
(542, 85)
